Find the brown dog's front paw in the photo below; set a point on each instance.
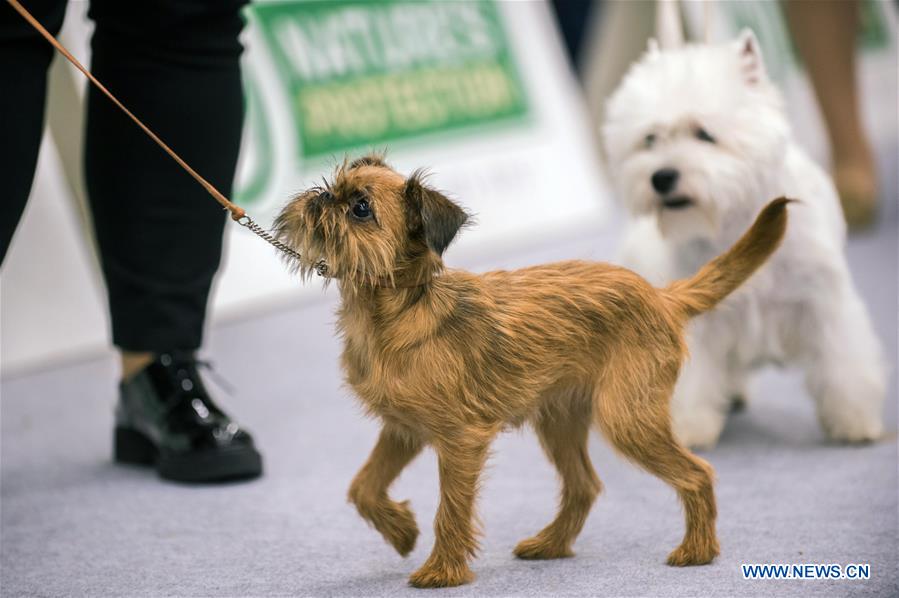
(441, 575)
(541, 548)
(687, 555)
(399, 528)
(395, 521)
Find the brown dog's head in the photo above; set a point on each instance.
(370, 225)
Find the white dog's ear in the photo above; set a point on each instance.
(652, 48)
(749, 53)
(669, 28)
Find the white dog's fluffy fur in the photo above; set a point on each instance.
(711, 114)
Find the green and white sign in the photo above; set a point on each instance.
(364, 73)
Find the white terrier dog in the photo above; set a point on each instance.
(697, 141)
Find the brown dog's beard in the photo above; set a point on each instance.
(320, 232)
(296, 227)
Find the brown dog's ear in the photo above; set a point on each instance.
(440, 219)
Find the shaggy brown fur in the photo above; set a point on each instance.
(449, 359)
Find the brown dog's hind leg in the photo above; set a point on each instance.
(394, 450)
(461, 457)
(636, 421)
(563, 431)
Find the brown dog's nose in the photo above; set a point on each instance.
(664, 180)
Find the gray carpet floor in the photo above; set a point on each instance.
(74, 524)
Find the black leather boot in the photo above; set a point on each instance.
(166, 418)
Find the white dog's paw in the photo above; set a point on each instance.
(853, 425)
(699, 429)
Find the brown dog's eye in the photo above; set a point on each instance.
(361, 210)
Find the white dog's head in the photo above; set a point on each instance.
(694, 132)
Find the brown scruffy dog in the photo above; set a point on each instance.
(449, 359)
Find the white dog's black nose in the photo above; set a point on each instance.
(664, 180)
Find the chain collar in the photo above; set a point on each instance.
(320, 267)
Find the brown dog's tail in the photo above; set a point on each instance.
(721, 276)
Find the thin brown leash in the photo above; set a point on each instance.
(238, 214)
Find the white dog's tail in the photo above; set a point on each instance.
(721, 276)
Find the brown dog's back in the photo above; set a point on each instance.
(561, 301)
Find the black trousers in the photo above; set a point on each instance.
(175, 64)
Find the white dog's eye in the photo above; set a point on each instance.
(649, 140)
(703, 135)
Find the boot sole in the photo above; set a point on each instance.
(232, 463)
